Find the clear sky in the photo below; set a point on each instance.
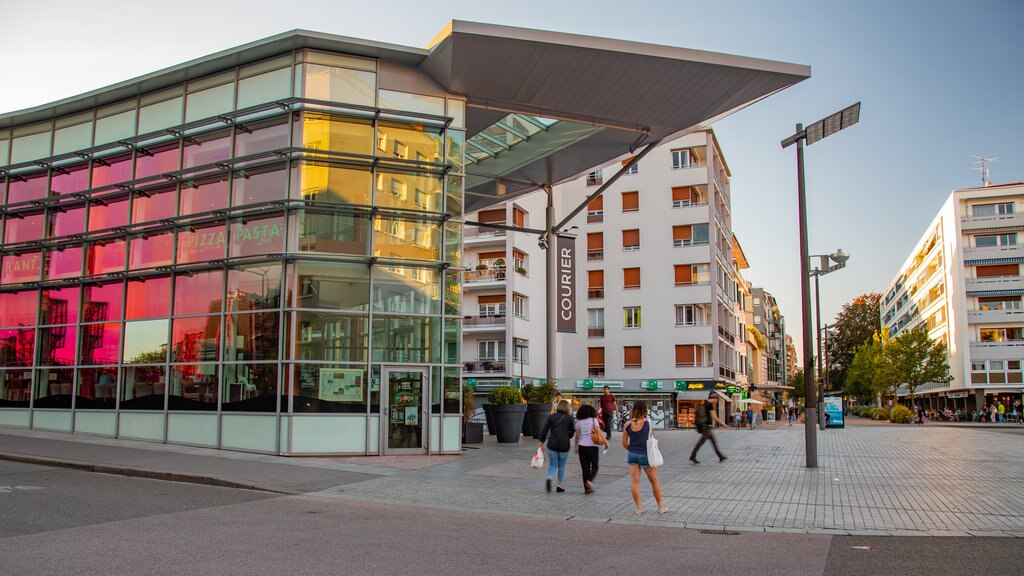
(939, 81)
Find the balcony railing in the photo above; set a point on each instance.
(595, 255)
(472, 276)
(595, 370)
(595, 216)
(496, 321)
(595, 293)
(485, 367)
(726, 334)
(694, 364)
(472, 233)
(595, 332)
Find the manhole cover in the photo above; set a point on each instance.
(719, 533)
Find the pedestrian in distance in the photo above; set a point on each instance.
(789, 415)
(554, 403)
(750, 417)
(1002, 412)
(586, 448)
(609, 408)
(634, 439)
(561, 427)
(704, 420)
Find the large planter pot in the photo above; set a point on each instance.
(527, 423)
(508, 420)
(489, 416)
(537, 415)
(472, 433)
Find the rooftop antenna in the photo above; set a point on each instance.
(984, 161)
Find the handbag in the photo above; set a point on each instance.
(597, 435)
(654, 457)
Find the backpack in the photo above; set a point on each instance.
(701, 418)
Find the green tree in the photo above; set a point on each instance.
(870, 372)
(797, 382)
(915, 359)
(853, 326)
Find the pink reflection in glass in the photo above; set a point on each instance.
(19, 308)
(195, 339)
(57, 346)
(105, 258)
(112, 170)
(113, 215)
(23, 268)
(151, 251)
(158, 206)
(193, 387)
(266, 136)
(25, 229)
(212, 148)
(71, 221)
(103, 302)
(99, 384)
(156, 160)
(59, 306)
(204, 244)
(201, 293)
(17, 346)
(101, 343)
(63, 264)
(261, 185)
(26, 187)
(149, 299)
(68, 179)
(257, 237)
(254, 288)
(204, 195)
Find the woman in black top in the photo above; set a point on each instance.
(562, 427)
(634, 440)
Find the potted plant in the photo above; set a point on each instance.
(481, 267)
(509, 411)
(521, 271)
(538, 406)
(472, 432)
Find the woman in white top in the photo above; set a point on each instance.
(586, 421)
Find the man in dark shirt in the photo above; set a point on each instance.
(704, 420)
(609, 408)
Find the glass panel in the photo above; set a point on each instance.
(111, 170)
(70, 221)
(453, 243)
(202, 244)
(148, 299)
(101, 344)
(15, 387)
(61, 264)
(326, 183)
(195, 339)
(151, 251)
(57, 346)
(145, 342)
(113, 213)
(334, 286)
(105, 258)
(161, 115)
(23, 268)
(199, 293)
(452, 293)
(257, 237)
(408, 191)
(264, 88)
(452, 340)
(25, 187)
(17, 346)
(103, 302)
(408, 239)
(333, 233)
(96, 388)
(331, 337)
(327, 388)
(207, 148)
(204, 194)
(54, 388)
(410, 142)
(262, 184)
(406, 290)
(32, 147)
(455, 145)
(411, 102)
(69, 179)
(249, 388)
(339, 84)
(406, 340)
(252, 336)
(72, 138)
(59, 306)
(116, 127)
(157, 159)
(144, 388)
(254, 287)
(262, 135)
(159, 205)
(453, 195)
(25, 229)
(457, 112)
(335, 133)
(210, 102)
(193, 387)
(405, 399)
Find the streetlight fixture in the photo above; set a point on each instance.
(824, 267)
(816, 131)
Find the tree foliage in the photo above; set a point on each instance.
(915, 359)
(869, 374)
(854, 326)
(797, 382)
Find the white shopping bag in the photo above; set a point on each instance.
(538, 459)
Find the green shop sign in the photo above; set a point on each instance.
(651, 385)
(471, 382)
(405, 398)
(588, 384)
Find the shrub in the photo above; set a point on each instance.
(879, 414)
(468, 406)
(503, 395)
(900, 415)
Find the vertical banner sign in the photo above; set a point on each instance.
(566, 284)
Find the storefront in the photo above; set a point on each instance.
(691, 394)
(658, 398)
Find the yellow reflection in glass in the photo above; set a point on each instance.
(324, 132)
(409, 239)
(408, 190)
(325, 183)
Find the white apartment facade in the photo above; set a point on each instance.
(963, 283)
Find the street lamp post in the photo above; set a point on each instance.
(823, 268)
(816, 131)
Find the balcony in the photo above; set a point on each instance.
(483, 323)
(483, 278)
(595, 293)
(1006, 350)
(484, 366)
(481, 237)
(595, 332)
(991, 252)
(986, 316)
(595, 216)
(997, 221)
(593, 255)
(726, 335)
(994, 283)
(595, 370)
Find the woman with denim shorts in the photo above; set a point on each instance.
(638, 430)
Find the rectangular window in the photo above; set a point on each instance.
(635, 168)
(518, 217)
(595, 284)
(630, 277)
(631, 357)
(631, 240)
(999, 303)
(595, 246)
(493, 305)
(519, 261)
(997, 270)
(595, 210)
(631, 317)
(491, 350)
(595, 178)
(491, 216)
(1001, 209)
(690, 355)
(595, 361)
(519, 307)
(682, 236)
(680, 158)
(595, 322)
(630, 201)
(690, 315)
(683, 196)
(991, 240)
(520, 351)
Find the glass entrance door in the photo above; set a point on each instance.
(403, 410)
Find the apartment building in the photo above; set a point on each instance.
(963, 284)
(769, 322)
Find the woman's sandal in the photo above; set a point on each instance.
(663, 510)
(639, 511)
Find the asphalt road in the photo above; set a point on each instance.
(58, 521)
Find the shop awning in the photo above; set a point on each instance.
(773, 387)
(750, 401)
(692, 395)
(723, 396)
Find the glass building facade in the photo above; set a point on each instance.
(257, 259)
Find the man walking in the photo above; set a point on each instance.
(609, 409)
(704, 420)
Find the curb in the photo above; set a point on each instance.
(143, 473)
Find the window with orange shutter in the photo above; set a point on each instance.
(998, 270)
(518, 217)
(595, 210)
(492, 216)
(630, 277)
(630, 240)
(681, 196)
(631, 356)
(683, 274)
(682, 236)
(685, 356)
(595, 361)
(630, 201)
(595, 284)
(595, 246)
